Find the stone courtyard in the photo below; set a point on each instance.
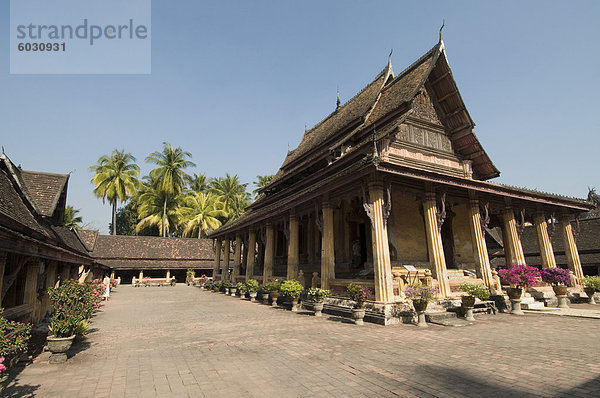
(182, 341)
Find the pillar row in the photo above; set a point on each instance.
(293, 248)
(571, 248)
(544, 243)
(434, 244)
(226, 255)
(480, 251)
(251, 258)
(217, 265)
(513, 250)
(327, 246)
(269, 253)
(384, 287)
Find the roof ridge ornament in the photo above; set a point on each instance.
(441, 28)
(338, 102)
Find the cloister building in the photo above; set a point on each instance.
(393, 179)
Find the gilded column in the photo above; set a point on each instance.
(384, 289)
(544, 243)
(434, 244)
(168, 274)
(237, 255)
(141, 274)
(571, 248)
(511, 238)
(3, 259)
(269, 253)
(226, 255)
(480, 252)
(251, 257)
(293, 248)
(217, 266)
(327, 246)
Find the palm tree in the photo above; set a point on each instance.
(228, 188)
(199, 183)
(260, 183)
(115, 179)
(155, 209)
(169, 177)
(71, 219)
(200, 212)
(238, 206)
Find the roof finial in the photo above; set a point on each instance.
(338, 102)
(443, 24)
(390, 57)
(305, 127)
(3, 150)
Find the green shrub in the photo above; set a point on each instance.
(252, 285)
(240, 287)
(476, 290)
(291, 288)
(82, 327)
(273, 285)
(317, 294)
(592, 282)
(359, 294)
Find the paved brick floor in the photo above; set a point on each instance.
(182, 341)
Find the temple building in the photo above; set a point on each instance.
(36, 249)
(393, 187)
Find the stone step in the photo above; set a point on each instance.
(535, 305)
(446, 319)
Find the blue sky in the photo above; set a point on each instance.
(235, 82)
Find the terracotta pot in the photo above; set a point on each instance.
(514, 293)
(468, 301)
(358, 315)
(560, 290)
(59, 346)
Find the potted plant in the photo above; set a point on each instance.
(292, 289)
(264, 294)
(273, 288)
(225, 286)
(13, 339)
(317, 296)
(232, 289)
(68, 301)
(420, 295)
(189, 276)
(560, 279)
(241, 288)
(591, 285)
(474, 291)
(518, 276)
(359, 294)
(252, 287)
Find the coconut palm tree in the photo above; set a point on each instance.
(260, 183)
(169, 177)
(155, 209)
(199, 183)
(238, 206)
(115, 179)
(199, 213)
(228, 188)
(71, 219)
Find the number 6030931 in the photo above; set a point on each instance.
(42, 47)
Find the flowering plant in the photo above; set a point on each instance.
(13, 335)
(476, 290)
(520, 275)
(317, 294)
(592, 282)
(420, 292)
(556, 276)
(113, 283)
(358, 293)
(2, 367)
(74, 303)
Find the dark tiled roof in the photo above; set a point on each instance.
(587, 240)
(157, 264)
(44, 189)
(13, 206)
(69, 238)
(152, 248)
(88, 237)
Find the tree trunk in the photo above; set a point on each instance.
(114, 217)
(164, 221)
